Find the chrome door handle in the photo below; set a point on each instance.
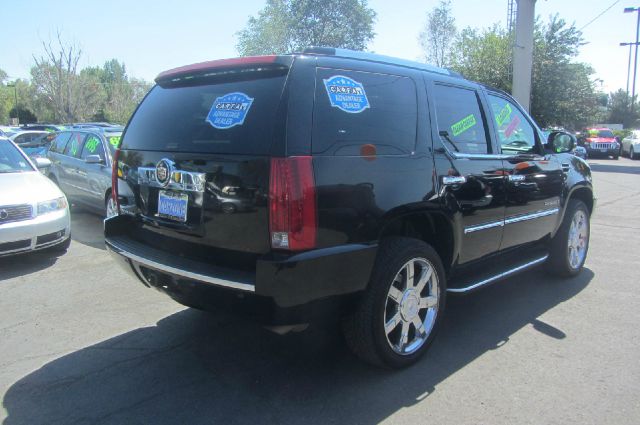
(449, 180)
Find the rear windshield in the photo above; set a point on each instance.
(223, 117)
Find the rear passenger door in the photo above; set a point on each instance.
(469, 171)
(68, 176)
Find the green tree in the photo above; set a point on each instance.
(620, 111)
(563, 92)
(24, 115)
(438, 34)
(284, 26)
(484, 56)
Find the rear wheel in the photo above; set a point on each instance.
(632, 155)
(399, 314)
(568, 248)
(110, 207)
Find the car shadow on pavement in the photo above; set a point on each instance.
(194, 367)
(25, 264)
(615, 168)
(87, 227)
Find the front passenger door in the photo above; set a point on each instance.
(534, 178)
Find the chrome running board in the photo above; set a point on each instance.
(499, 276)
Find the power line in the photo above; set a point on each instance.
(601, 13)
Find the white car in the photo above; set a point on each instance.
(631, 145)
(26, 136)
(34, 213)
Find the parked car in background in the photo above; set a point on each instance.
(43, 127)
(599, 142)
(34, 213)
(377, 187)
(27, 136)
(81, 166)
(631, 145)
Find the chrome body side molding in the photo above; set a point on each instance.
(511, 220)
(499, 276)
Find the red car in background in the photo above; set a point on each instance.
(599, 142)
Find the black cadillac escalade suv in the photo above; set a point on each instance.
(333, 183)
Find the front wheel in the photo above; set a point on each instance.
(399, 314)
(568, 248)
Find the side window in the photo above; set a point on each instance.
(60, 142)
(460, 121)
(74, 146)
(515, 134)
(361, 113)
(22, 138)
(92, 146)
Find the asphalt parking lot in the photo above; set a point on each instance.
(81, 342)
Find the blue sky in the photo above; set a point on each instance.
(151, 36)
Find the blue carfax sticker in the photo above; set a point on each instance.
(346, 94)
(229, 110)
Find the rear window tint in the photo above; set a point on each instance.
(458, 114)
(357, 112)
(60, 142)
(228, 117)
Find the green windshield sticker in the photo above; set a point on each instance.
(74, 147)
(114, 141)
(92, 144)
(504, 115)
(463, 125)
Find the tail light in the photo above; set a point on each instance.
(114, 180)
(292, 204)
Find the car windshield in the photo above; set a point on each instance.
(601, 133)
(11, 160)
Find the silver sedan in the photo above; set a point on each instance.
(34, 213)
(631, 145)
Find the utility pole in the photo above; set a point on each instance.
(15, 97)
(635, 61)
(523, 53)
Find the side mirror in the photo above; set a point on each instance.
(561, 142)
(94, 159)
(42, 163)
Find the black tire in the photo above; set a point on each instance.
(615, 157)
(558, 263)
(364, 330)
(632, 155)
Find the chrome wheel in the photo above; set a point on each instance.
(112, 210)
(578, 239)
(411, 306)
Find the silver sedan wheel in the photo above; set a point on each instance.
(112, 210)
(578, 239)
(411, 306)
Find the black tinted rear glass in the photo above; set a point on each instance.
(357, 112)
(225, 117)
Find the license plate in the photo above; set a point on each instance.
(603, 150)
(173, 205)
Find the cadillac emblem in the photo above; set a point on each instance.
(163, 171)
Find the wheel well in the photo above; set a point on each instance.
(433, 229)
(585, 195)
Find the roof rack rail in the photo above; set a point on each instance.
(354, 54)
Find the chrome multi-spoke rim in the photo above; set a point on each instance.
(578, 239)
(411, 306)
(111, 208)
